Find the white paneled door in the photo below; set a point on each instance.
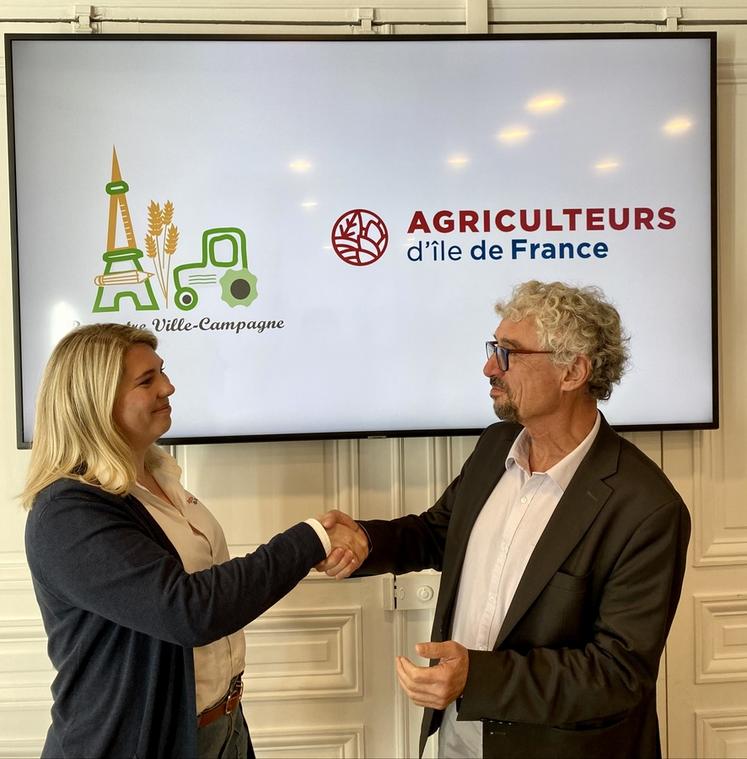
(319, 677)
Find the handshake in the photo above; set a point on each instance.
(349, 545)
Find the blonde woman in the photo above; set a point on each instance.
(142, 606)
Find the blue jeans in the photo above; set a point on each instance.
(226, 738)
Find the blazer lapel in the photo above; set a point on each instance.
(576, 510)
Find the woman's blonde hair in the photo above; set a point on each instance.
(574, 321)
(74, 432)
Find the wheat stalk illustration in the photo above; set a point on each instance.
(151, 250)
(161, 242)
(155, 219)
(167, 214)
(169, 248)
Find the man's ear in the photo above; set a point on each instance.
(577, 373)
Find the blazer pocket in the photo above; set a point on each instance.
(558, 618)
(570, 583)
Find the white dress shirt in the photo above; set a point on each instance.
(502, 540)
(200, 543)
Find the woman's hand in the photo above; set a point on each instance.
(349, 545)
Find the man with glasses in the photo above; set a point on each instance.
(562, 549)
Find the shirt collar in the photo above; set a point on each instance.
(162, 465)
(562, 472)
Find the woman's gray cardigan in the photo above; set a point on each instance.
(122, 617)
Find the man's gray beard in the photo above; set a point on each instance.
(506, 410)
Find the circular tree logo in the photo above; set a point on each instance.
(360, 237)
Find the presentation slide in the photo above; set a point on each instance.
(317, 230)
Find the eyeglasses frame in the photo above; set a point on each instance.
(501, 353)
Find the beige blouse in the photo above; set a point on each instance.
(199, 540)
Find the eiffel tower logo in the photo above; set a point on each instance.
(123, 276)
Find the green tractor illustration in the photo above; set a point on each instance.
(223, 253)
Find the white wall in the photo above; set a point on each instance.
(703, 691)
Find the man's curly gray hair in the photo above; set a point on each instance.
(572, 321)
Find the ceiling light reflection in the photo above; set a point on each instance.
(545, 103)
(309, 204)
(457, 161)
(300, 165)
(514, 134)
(607, 164)
(677, 125)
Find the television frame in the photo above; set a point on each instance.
(358, 39)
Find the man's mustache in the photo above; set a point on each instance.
(499, 383)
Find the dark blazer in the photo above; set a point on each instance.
(122, 616)
(573, 672)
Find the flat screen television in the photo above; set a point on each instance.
(317, 229)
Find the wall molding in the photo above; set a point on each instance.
(382, 17)
(344, 741)
(19, 748)
(716, 542)
(25, 670)
(720, 638)
(23, 717)
(14, 571)
(399, 621)
(720, 733)
(732, 72)
(304, 654)
(342, 481)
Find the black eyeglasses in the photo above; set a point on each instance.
(492, 348)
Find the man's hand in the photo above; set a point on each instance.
(441, 684)
(349, 545)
